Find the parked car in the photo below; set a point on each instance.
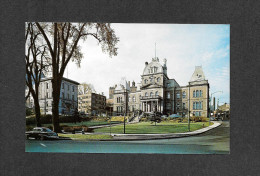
(174, 116)
(164, 116)
(41, 133)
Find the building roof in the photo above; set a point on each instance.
(155, 63)
(65, 79)
(198, 74)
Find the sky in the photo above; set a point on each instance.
(183, 45)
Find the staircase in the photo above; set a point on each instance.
(137, 118)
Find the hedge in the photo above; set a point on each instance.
(46, 119)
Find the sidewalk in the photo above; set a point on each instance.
(127, 137)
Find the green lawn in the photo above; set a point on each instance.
(85, 136)
(148, 128)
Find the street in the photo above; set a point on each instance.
(215, 141)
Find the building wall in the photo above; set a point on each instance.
(173, 98)
(68, 97)
(92, 103)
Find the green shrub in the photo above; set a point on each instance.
(144, 119)
(199, 119)
(30, 120)
(45, 119)
(76, 128)
(185, 120)
(204, 119)
(29, 128)
(118, 118)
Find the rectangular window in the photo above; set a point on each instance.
(62, 85)
(178, 95)
(183, 105)
(168, 95)
(68, 87)
(68, 96)
(72, 88)
(73, 97)
(62, 95)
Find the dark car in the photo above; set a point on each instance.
(41, 133)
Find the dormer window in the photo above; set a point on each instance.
(155, 69)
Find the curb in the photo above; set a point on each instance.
(132, 137)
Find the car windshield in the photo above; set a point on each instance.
(46, 130)
(36, 129)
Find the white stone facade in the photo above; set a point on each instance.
(68, 96)
(156, 92)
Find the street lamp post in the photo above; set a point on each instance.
(210, 103)
(125, 98)
(189, 111)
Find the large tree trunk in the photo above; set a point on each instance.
(37, 113)
(55, 107)
(36, 106)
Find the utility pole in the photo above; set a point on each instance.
(125, 97)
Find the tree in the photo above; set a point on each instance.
(85, 88)
(36, 64)
(155, 117)
(76, 116)
(62, 41)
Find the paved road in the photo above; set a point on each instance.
(215, 141)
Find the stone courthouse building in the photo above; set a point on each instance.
(157, 92)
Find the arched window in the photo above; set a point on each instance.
(146, 94)
(145, 81)
(151, 80)
(197, 93)
(151, 94)
(184, 94)
(194, 93)
(200, 93)
(156, 93)
(158, 79)
(194, 105)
